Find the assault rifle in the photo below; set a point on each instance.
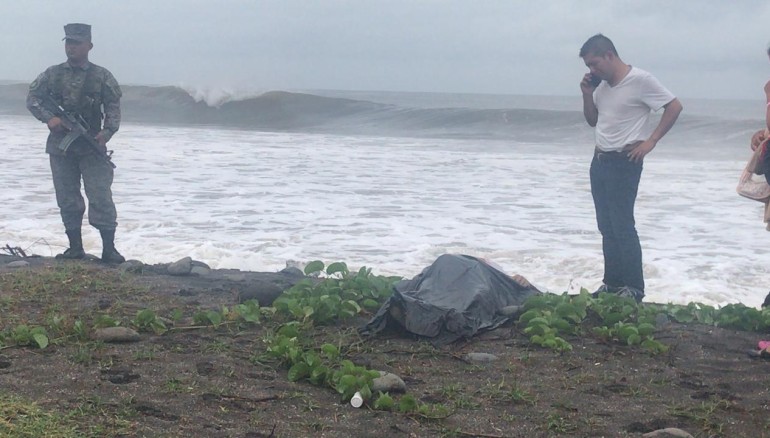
(77, 126)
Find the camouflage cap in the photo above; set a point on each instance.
(77, 32)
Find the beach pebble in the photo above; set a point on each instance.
(180, 267)
(668, 432)
(116, 334)
(17, 264)
(262, 291)
(388, 382)
(291, 270)
(200, 270)
(199, 263)
(134, 266)
(480, 357)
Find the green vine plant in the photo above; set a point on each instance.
(549, 318)
(147, 320)
(24, 335)
(339, 296)
(248, 312)
(322, 366)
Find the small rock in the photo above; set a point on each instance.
(480, 357)
(291, 270)
(262, 291)
(199, 264)
(18, 264)
(116, 334)
(134, 266)
(668, 432)
(180, 267)
(295, 264)
(509, 310)
(200, 271)
(388, 382)
(120, 376)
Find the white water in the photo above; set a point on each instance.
(253, 200)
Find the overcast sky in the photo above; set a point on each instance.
(697, 48)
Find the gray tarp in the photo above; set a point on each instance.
(455, 297)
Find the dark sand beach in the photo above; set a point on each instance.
(212, 380)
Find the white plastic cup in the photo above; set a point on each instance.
(357, 401)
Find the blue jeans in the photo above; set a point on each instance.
(614, 184)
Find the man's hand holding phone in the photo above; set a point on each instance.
(589, 83)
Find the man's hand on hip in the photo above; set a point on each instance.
(638, 153)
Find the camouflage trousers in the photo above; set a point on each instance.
(67, 171)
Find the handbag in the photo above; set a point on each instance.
(748, 185)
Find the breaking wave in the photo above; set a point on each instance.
(304, 112)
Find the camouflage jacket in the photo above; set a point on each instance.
(67, 85)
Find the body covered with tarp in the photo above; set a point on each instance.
(455, 297)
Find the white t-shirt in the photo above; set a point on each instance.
(624, 110)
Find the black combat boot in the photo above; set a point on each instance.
(109, 253)
(75, 251)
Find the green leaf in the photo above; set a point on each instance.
(384, 402)
(646, 329)
(407, 404)
(330, 351)
(213, 317)
(41, 339)
(352, 305)
(347, 384)
(298, 371)
(370, 304)
(366, 393)
(313, 267)
(529, 315)
(318, 375)
(337, 267)
(624, 332)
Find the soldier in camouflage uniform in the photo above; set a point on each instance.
(81, 87)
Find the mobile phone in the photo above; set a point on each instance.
(595, 80)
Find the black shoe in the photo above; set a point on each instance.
(630, 292)
(112, 256)
(72, 254)
(604, 289)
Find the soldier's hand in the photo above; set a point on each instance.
(56, 125)
(101, 139)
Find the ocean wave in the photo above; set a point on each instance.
(305, 112)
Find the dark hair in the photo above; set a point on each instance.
(768, 50)
(597, 45)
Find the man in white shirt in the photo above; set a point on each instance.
(617, 101)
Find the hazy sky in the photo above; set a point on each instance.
(698, 48)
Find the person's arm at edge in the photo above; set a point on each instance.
(670, 114)
(767, 110)
(590, 112)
